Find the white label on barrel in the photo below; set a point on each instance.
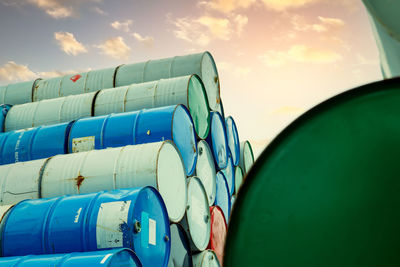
(82, 144)
(111, 223)
(152, 232)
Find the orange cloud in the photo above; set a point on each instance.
(69, 44)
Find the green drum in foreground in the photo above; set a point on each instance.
(326, 191)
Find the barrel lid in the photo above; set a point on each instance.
(229, 173)
(123, 257)
(246, 156)
(206, 258)
(238, 178)
(217, 140)
(181, 255)
(209, 75)
(233, 139)
(325, 191)
(205, 170)
(222, 197)
(198, 106)
(184, 137)
(197, 219)
(171, 180)
(218, 232)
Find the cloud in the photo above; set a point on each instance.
(299, 53)
(325, 24)
(281, 5)
(240, 22)
(99, 11)
(69, 44)
(238, 71)
(227, 6)
(147, 40)
(122, 25)
(116, 48)
(57, 73)
(12, 72)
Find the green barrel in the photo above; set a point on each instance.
(326, 191)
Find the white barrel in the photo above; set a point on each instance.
(154, 164)
(205, 170)
(47, 89)
(51, 111)
(246, 156)
(3, 211)
(17, 93)
(201, 64)
(20, 181)
(206, 258)
(196, 221)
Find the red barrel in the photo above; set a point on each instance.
(218, 232)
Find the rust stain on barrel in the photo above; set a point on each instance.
(79, 180)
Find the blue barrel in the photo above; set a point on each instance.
(217, 140)
(107, 258)
(36, 143)
(139, 127)
(181, 254)
(223, 198)
(233, 139)
(3, 113)
(130, 218)
(229, 173)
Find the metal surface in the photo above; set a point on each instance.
(131, 128)
(201, 64)
(3, 113)
(196, 221)
(17, 93)
(110, 258)
(246, 156)
(233, 139)
(238, 178)
(90, 222)
(222, 198)
(186, 90)
(218, 232)
(181, 256)
(229, 173)
(51, 111)
(207, 258)
(325, 191)
(217, 140)
(154, 164)
(205, 170)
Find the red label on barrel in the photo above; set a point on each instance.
(75, 77)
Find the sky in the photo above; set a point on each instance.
(276, 58)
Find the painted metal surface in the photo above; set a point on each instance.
(181, 255)
(139, 127)
(51, 111)
(233, 139)
(246, 156)
(201, 64)
(17, 93)
(327, 185)
(153, 164)
(238, 178)
(110, 258)
(218, 232)
(223, 198)
(206, 258)
(229, 173)
(130, 218)
(217, 140)
(196, 221)
(186, 90)
(205, 170)
(35, 143)
(3, 113)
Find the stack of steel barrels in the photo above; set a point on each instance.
(135, 165)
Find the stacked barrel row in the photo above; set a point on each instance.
(120, 134)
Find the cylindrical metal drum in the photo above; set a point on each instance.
(51, 111)
(130, 218)
(218, 232)
(246, 156)
(181, 255)
(223, 198)
(238, 178)
(233, 139)
(154, 164)
(196, 221)
(108, 258)
(17, 93)
(3, 113)
(139, 127)
(229, 173)
(205, 170)
(325, 192)
(186, 90)
(35, 143)
(217, 141)
(206, 258)
(201, 64)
